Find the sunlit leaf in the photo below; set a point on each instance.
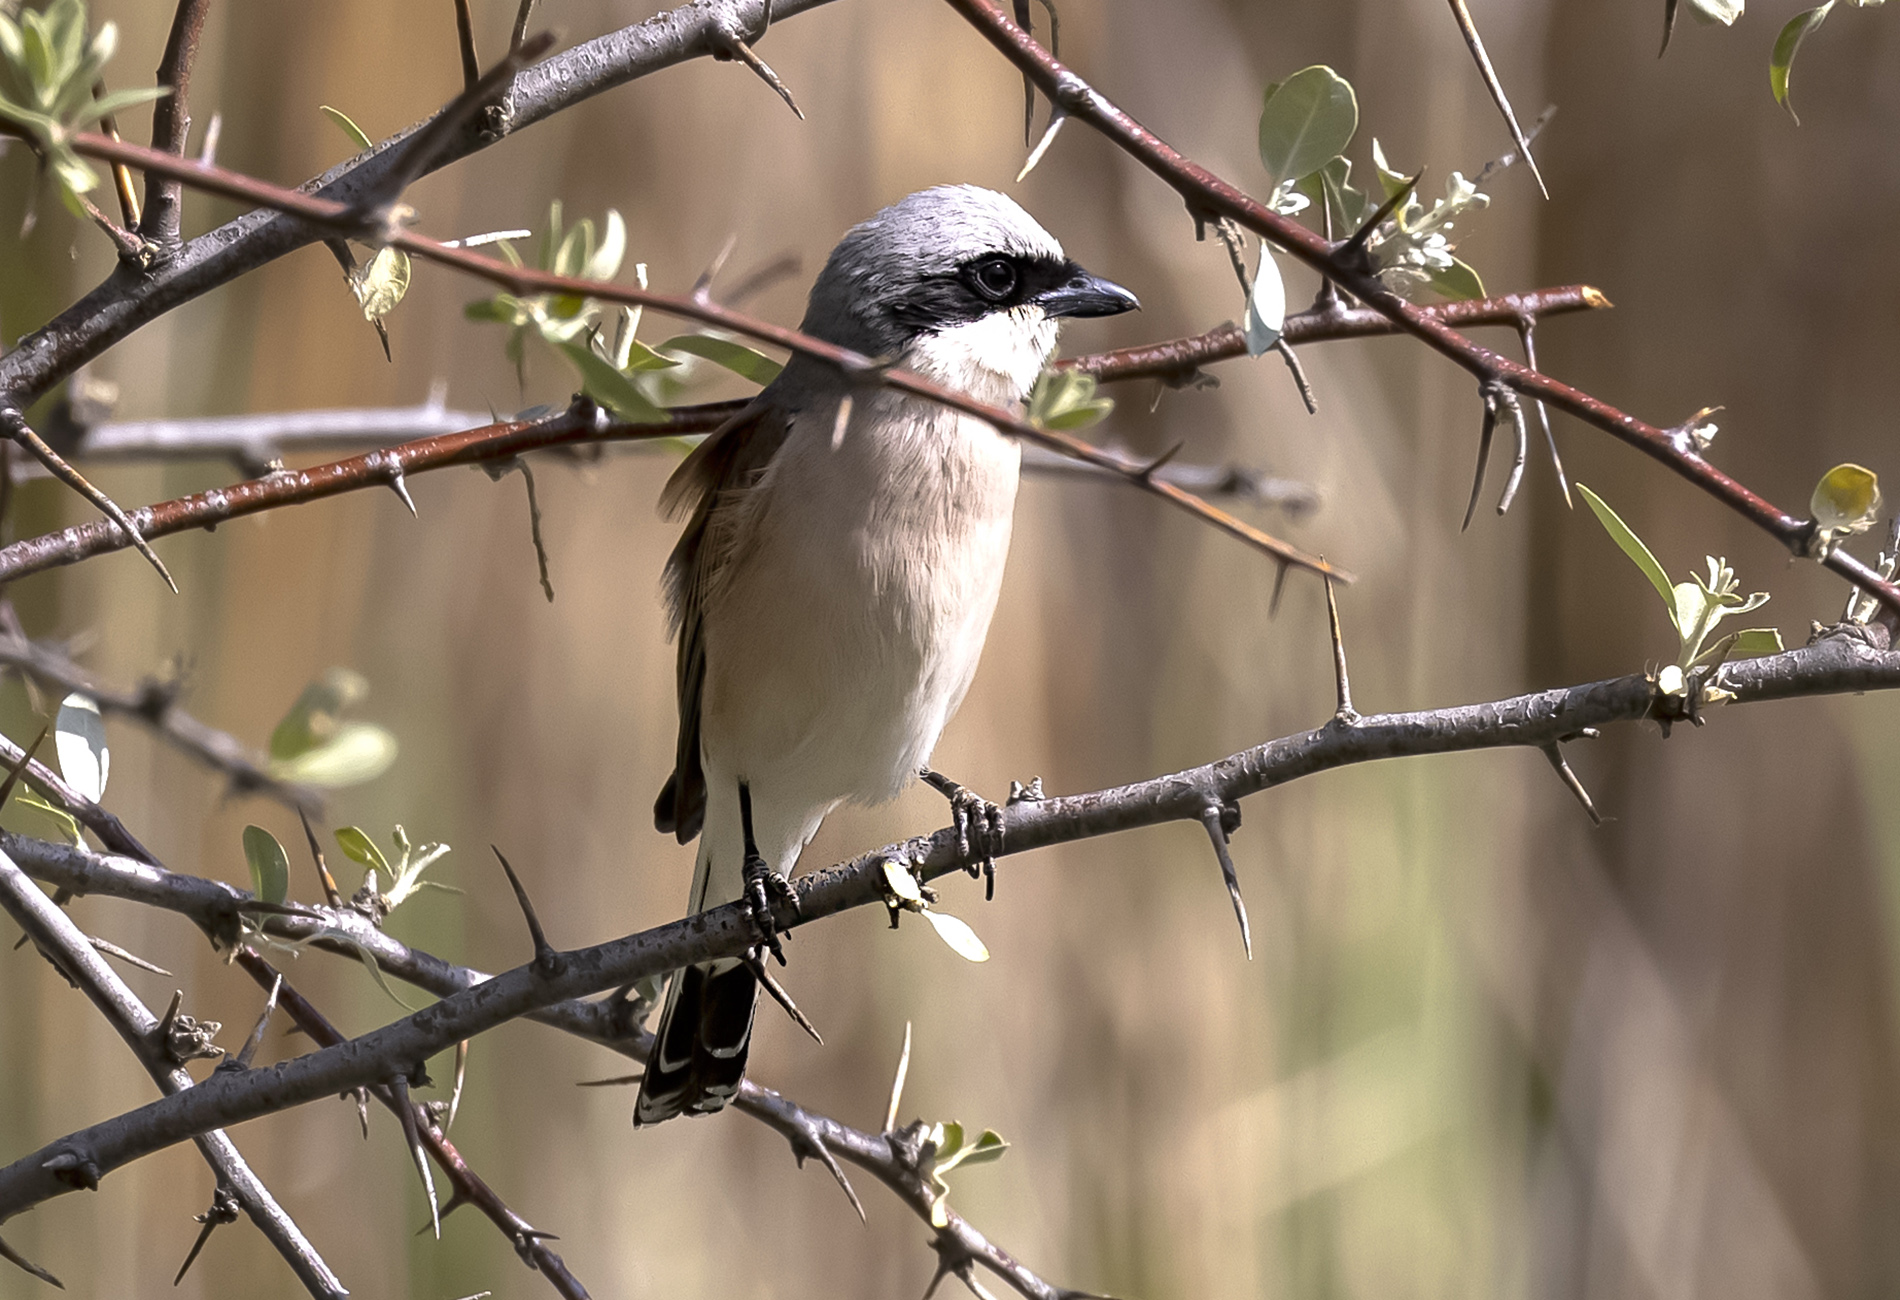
(270, 865)
(382, 284)
(613, 390)
(1758, 641)
(65, 821)
(79, 738)
(358, 752)
(1458, 282)
(1846, 500)
(1787, 45)
(1632, 546)
(358, 847)
(901, 883)
(961, 938)
(1266, 306)
(1724, 12)
(1306, 120)
(1065, 399)
(314, 718)
(736, 357)
(356, 133)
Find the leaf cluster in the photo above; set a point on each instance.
(48, 70)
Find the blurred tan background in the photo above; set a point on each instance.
(1482, 1050)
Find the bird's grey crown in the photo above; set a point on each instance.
(901, 272)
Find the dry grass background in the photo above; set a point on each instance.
(1482, 1051)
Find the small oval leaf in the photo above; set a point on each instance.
(79, 737)
(1847, 499)
(358, 752)
(1266, 306)
(898, 879)
(961, 938)
(1307, 120)
(270, 865)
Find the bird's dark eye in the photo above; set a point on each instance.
(994, 277)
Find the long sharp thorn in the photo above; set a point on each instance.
(455, 1094)
(465, 37)
(242, 1061)
(1020, 10)
(1357, 243)
(784, 999)
(165, 1022)
(1569, 778)
(1211, 819)
(702, 287)
(400, 487)
(1484, 455)
(14, 772)
(412, 1134)
(1341, 682)
(748, 56)
(1056, 118)
(1528, 332)
(1279, 588)
(546, 960)
(331, 893)
(130, 959)
(1475, 43)
(20, 1261)
(15, 426)
(897, 1082)
(1521, 432)
(618, 1081)
(204, 1235)
(823, 1153)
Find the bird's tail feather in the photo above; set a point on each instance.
(699, 1055)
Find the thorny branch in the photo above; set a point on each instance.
(155, 704)
(54, 933)
(1209, 198)
(1853, 662)
(696, 306)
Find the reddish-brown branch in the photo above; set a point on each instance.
(1176, 360)
(171, 123)
(470, 1189)
(1210, 198)
(698, 307)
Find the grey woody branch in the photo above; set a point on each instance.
(131, 298)
(72, 955)
(893, 1158)
(1855, 662)
(154, 704)
(1209, 198)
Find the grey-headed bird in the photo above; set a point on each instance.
(832, 590)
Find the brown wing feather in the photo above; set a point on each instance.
(707, 482)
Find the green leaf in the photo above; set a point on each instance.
(736, 357)
(961, 938)
(314, 718)
(117, 102)
(613, 390)
(79, 738)
(1632, 546)
(948, 1137)
(1348, 207)
(356, 133)
(382, 284)
(270, 865)
(67, 823)
(1787, 45)
(1266, 306)
(1846, 500)
(1758, 641)
(604, 263)
(502, 309)
(1393, 183)
(350, 941)
(1306, 120)
(1065, 399)
(360, 848)
(357, 752)
(1457, 282)
(986, 1149)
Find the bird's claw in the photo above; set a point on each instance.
(979, 827)
(763, 888)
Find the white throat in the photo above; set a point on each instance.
(995, 359)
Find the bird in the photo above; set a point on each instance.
(841, 560)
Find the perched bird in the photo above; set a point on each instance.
(832, 590)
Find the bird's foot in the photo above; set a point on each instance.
(765, 887)
(979, 827)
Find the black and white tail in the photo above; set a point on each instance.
(699, 1055)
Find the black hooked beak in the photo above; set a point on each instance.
(1087, 295)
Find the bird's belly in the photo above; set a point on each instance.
(833, 666)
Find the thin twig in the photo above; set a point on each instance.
(465, 41)
(171, 126)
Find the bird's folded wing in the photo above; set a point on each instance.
(711, 483)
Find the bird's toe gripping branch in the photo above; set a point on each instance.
(763, 886)
(979, 827)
